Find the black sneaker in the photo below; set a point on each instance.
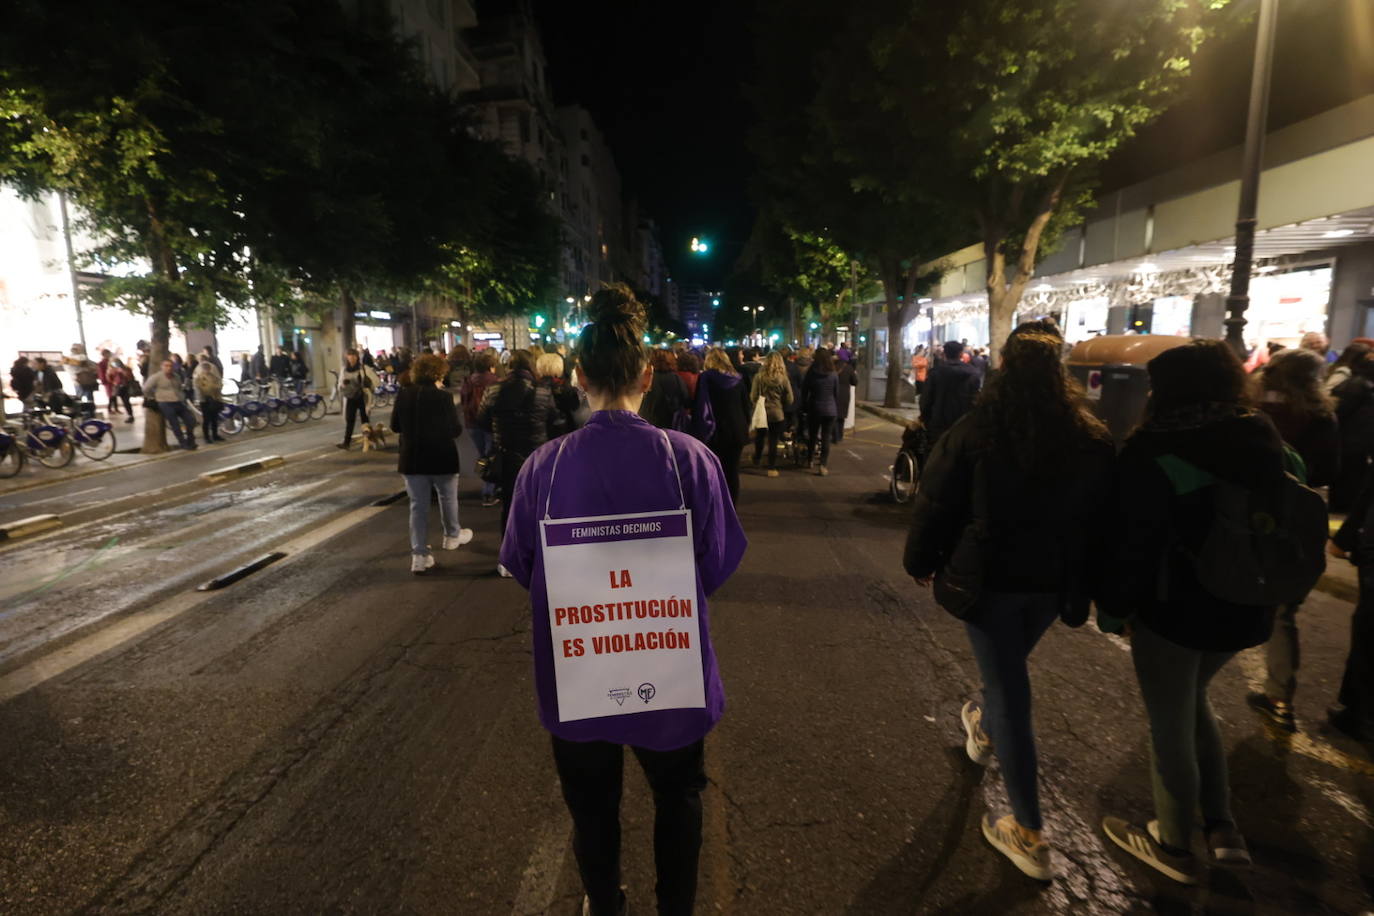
(624, 904)
(1227, 846)
(342, 445)
(1346, 722)
(1277, 711)
(1183, 868)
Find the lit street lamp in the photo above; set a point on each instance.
(700, 246)
(755, 310)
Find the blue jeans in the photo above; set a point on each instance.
(482, 439)
(1003, 629)
(418, 486)
(179, 417)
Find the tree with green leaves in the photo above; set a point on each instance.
(828, 164)
(1022, 100)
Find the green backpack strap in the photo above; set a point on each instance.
(1184, 476)
(1293, 464)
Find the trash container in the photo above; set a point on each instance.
(1112, 371)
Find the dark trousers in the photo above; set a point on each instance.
(820, 429)
(209, 418)
(729, 463)
(121, 394)
(181, 420)
(1357, 685)
(353, 409)
(1351, 480)
(837, 431)
(1003, 630)
(510, 469)
(772, 434)
(592, 777)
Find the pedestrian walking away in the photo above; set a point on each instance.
(678, 530)
(356, 383)
(520, 416)
(121, 382)
(724, 396)
(1201, 445)
(470, 396)
(949, 392)
(426, 419)
(1001, 529)
(820, 404)
(772, 386)
(165, 389)
(844, 397)
(1291, 393)
(1355, 413)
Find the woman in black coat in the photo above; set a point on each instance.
(820, 403)
(848, 383)
(1355, 413)
(426, 418)
(723, 395)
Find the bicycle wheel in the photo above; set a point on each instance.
(904, 477)
(277, 415)
(318, 408)
(99, 446)
(333, 404)
(11, 459)
(58, 456)
(298, 411)
(257, 417)
(231, 424)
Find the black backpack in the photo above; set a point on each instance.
(1263, 547)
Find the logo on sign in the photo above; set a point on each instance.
(646, 692)
(1094, 391)
(619, 694)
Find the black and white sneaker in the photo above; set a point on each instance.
(1226, 844)
(624, 904)
(1183, 868)
(1276, 711)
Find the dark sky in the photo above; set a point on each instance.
(664, 81)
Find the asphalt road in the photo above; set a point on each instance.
(333, 734)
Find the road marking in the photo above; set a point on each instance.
(854, 454)
(84, 492)
(127, 628)
(539, 882)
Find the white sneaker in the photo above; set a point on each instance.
(419, 562)
(502, 571)
(979, 745)
(464, 535)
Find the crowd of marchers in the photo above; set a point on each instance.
(1199, 539)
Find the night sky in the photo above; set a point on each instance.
(664, 81)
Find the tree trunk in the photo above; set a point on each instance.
(1004, 292)
(349, 325)
(154, 427)
(898, 313)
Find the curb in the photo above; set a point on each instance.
(885, 413)
(27, 526)
(1338, 588)
(247, 467)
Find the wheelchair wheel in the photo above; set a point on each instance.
(905, 477)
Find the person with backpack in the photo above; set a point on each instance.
(86, 377)
(1291, 394)
(773, 387)
(1211, 534)
(669, 535)
(665, 403)
(121, 383)
(209, 385)
(521, 417)
(426, 420)
(1006, 527)
(470, 396)
(1355, 413)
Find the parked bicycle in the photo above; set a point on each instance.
(12, 457)
(93, 437)
(44, 442)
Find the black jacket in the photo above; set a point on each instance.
(665, 397)
(1355, 412)
(1315, 437)
(820, 394)
(22, 380)
(730, 407)
(849, 380)
(794, 375)
(520, 415)
(949, 393)
(427, 420)
(979, 513)
(1152, 523)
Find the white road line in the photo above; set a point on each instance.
(127, 628)
(83, 492)
(539, 882)
(854, 454)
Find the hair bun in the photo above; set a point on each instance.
(615, 303)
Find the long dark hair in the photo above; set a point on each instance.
(1034, 407)
(1202, 371)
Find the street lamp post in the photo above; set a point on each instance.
(1255, 129)
(755, 310)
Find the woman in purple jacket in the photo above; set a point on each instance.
(618, 662)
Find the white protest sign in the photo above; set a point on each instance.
(622, 595)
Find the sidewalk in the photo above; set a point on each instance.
(128, 440)
(1339, 581)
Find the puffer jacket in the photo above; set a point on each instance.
(980, 516)
(820, 394)
(519, 414)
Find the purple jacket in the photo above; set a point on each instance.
(618, 464)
